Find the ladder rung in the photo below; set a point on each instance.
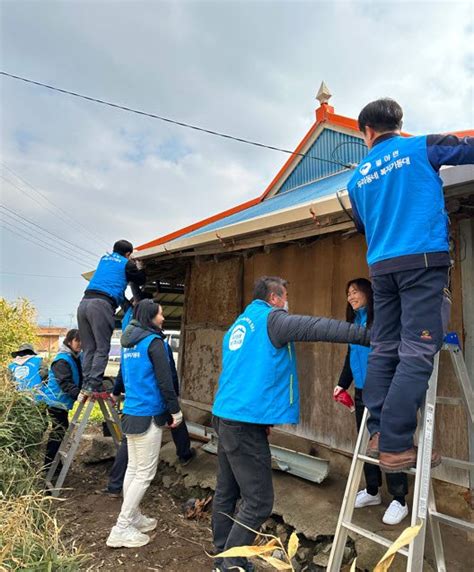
(373, 461)
(458, 463)
(450, 401)
(373, 537)
(63, 454)
(452, 521)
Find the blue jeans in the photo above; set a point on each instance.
(408, 330)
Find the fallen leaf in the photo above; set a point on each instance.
(276, 562)
(405, 538)
(246, 551)
(293, 544)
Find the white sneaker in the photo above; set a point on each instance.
(143, 523)
(395, 513)
(364, 499)
(128, 537)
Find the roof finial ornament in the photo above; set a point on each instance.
(323, 95)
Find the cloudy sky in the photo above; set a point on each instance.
(91, 175)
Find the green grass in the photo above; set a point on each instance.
(96, 414)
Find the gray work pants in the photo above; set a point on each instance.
(96, 321)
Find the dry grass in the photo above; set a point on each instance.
(30, 537)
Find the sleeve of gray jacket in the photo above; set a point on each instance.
(283, 328)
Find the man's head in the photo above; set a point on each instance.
(379, 117)
(124, 248)
(273, 290)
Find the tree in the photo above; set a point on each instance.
(17, 326)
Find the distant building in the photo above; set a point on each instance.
(49, 339)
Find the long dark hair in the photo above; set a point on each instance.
(145, 311)
(365, 287)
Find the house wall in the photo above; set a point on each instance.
(318, 273)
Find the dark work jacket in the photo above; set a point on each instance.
(134, 333)
(62, 373)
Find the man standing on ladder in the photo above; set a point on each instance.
(397, 201)
(96, 312)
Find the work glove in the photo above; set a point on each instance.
(337, 390)
(177, 420)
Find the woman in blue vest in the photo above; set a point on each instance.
(150, 404)
(360, 310)
(28, 370)
(62, 390)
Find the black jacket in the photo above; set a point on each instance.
(119, 386)
(158, 355)
(63, 374)
(346, 378)
(283, 328)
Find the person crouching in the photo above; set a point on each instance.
(62, 390)
(150, 403)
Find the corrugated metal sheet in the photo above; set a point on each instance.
(315, 190)
(331, 145)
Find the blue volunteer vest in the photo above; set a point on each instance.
(27, 376)
(258, 383)
(142, 396)
(110, 276)
(399, 198)
(53, 395)
(127, 317)
(359, 354)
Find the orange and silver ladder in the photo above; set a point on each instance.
(73, 436)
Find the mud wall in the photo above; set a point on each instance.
(217, 291)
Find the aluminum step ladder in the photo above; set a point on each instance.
(73, 436)
(424, 504)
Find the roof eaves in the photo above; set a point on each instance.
(290, 215)
(195, 226)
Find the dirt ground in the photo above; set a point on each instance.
(177, 545)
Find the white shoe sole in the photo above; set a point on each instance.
(124, 544)
(395, 522)
(147, 528)
(370, 503)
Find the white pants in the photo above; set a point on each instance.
(143, 454)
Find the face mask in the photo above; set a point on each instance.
(285, 307)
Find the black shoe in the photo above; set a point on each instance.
(110, 494)
(184, 462)
(93, 387)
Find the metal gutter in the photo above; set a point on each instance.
(301, 465)
(305, 211)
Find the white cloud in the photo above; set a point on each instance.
(246, 68)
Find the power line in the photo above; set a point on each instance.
(67, 242)
(173, 121)
(40, 239)
(36, 201)
(28, 235)
(37, 242)
(95, 237)
(35, 275)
